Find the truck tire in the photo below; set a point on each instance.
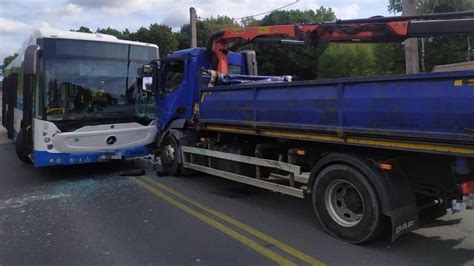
(169, 156)
(20, 147)
(346, 204)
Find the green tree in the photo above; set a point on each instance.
(433, 6)
(158, 34)
(83, 29)
(389, 58)
(347, 60)
(438, 50)
(297, 16)
(204, 29)
(112, 32)
(289, 60)
(7, 60)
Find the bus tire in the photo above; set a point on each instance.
(346, 204)
(169, 149)
(20, 147)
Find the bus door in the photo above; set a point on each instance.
(9, 102)
(4, 102)
(30, 69)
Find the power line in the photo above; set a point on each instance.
(263, 13)
(267, 12)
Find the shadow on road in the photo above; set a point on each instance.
(431, 246)
(430, 250)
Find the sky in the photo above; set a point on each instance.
(18, 17)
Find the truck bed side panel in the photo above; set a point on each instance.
(434, 106)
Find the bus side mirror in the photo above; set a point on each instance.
(30, 65)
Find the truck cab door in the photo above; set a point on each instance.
(173, 99)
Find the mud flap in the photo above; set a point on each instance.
(404, 220)
(400, 204)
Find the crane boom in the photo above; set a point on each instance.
(377, 29)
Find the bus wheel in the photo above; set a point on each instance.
(20, 147)
(169, 156)
(346, 204)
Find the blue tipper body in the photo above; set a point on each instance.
(434, 107)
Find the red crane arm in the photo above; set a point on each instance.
(378, 29)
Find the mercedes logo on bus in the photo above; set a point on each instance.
(111, 140)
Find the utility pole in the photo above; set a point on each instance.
(412, 59)
(192, 25)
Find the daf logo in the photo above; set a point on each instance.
(111, 140)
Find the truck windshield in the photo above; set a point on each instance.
(96, 81)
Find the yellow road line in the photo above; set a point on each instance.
(219, 226)
(290, 250)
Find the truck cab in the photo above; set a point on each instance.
(176, 79)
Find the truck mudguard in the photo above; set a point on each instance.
(175, 124)
(393, 187)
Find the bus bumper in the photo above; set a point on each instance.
(44, 158)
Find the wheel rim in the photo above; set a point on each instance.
(169, 153)
(344, 203)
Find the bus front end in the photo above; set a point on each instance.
(77, 100)
(90, 144)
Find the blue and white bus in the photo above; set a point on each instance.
(72, 98)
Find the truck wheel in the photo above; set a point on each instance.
(169, 156)
(346, 204)
(20, 147)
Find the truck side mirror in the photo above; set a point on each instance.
(147, 70)
(30, 66)
(145, 78)
(147, 84)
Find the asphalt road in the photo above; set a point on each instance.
(93, 215)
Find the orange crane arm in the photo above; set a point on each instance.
(377, 29)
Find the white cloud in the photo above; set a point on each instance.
(8, 26)
(62, 10)
(100, 3)
(348, 11)
(177, 10)
(118, 7)
(176, 18)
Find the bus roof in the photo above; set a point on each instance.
(72, 35)
(40, 33)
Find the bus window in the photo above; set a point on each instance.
(96, 81)
(18, 83)
(142, 53)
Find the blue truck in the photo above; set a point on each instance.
(368, 151)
